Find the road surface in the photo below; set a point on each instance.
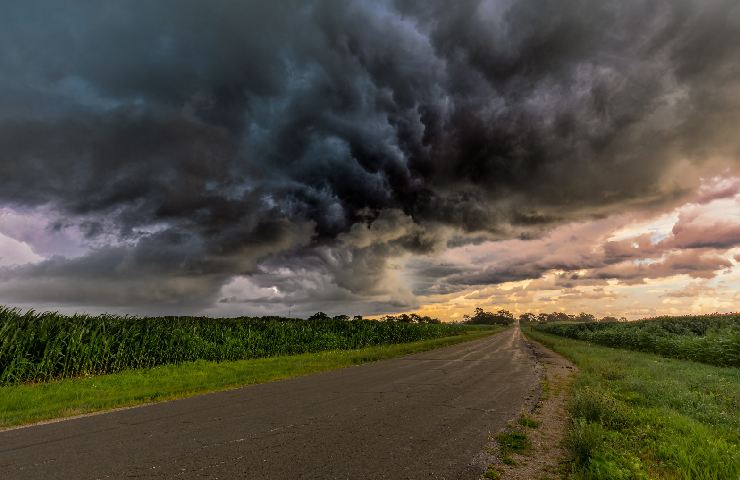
(422, 416)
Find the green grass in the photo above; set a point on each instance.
(526, 421)
(638, 415)
(41, 347)
(712, 339)
(512, 441)
(492, 473)
(33, 402)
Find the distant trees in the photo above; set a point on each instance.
(481, 317)
(319, 316)
(410, 318)
(554, 317)
(323, 316)
(402, 318)
(585, 317)
(527, 317)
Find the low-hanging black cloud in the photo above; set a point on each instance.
(248, 130)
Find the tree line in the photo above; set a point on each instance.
(564, 317)
(402, 318)
(504, 317)
(482, 317)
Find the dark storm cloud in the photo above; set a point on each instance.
(207, 137)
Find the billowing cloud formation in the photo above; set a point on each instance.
(698, 244)
(320, 143)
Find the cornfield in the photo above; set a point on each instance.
(712, 339)
(37, 347)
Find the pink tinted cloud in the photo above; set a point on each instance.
(569, 247)
(696, 246)
(717, 188)
(594, 294)
(696, 242)
(695, 231)
(697, 263)
(641, 246)
(691, 290)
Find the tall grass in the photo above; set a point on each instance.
(712, 339)
(45, 346)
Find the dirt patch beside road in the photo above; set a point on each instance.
(531, 447)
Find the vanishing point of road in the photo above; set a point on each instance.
(422, 416)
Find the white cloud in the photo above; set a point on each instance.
(14, 252)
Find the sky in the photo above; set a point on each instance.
(370, 157)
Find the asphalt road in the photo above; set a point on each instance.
(427, 415)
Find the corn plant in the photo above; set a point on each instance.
(38, 347)
(712, 339)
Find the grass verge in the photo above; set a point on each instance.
(27, 403)
(639, 415)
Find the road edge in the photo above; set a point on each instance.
(532, 445)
